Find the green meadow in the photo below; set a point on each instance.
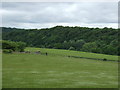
(61, 52)
(57, 70)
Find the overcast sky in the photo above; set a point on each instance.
(44, 15)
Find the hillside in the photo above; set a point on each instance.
(94, 40)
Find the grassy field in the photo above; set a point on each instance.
(24, 70)
(73, 53)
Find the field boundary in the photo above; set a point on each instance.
(44, 53)
(94, 58)
(104, 59)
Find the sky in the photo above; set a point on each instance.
(49, 14)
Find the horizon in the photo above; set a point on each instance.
(61, 26)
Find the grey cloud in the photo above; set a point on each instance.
(46, 14)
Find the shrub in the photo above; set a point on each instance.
(104, 59)
(14, 46)
(7, 51)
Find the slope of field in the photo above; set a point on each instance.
(24, 70)
(72, 53)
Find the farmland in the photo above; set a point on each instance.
(57, 70)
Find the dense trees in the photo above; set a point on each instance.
(10, 46)
(90, 47)
(95, 40)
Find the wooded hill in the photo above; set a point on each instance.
(86, 39)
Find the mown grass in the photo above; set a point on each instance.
(23, 70)
(73, 53)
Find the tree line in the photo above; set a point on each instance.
(96, 40)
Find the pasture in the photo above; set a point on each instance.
(56, 70)
(60, 52)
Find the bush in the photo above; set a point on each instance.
(14, 46)
(21, 46)
(9, 45)
(104, 59)
(7, 51)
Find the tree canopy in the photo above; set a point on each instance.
(97, 40)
